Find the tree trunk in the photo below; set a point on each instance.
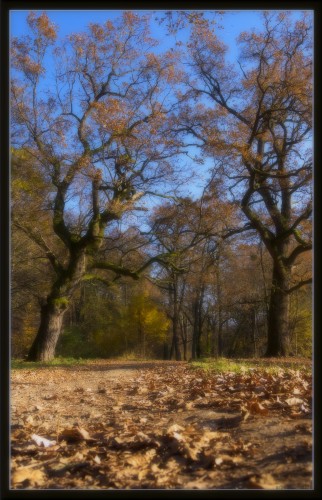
(219, 310)
(52, 312)
(171, 347)
(184, 336)
(44, 345)
(176, 339)
(278, 317)
(194, 348)
(175, 325)
(200, 304)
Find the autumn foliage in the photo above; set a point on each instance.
(106, 140)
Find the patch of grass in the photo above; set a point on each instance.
(133, 356)
(247, 365)
(17, 364)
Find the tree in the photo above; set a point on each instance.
(257, 123)
(31, 273)
(98, 135)
(188, 232)
(146, 322)
(172, 234)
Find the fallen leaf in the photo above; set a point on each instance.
(174, 429)
(84, 433)
(257, 408)
(294, 401)
(51, 397)
(141, 459)
(262, 482)
(198, 484)
(41, 441)
(75, 434)
(35, 477)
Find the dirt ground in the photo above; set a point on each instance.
(160, 425)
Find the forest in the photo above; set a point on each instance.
(161, 198)
(161, 250)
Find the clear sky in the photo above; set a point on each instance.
(69, 21)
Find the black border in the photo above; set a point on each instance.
(6, 6)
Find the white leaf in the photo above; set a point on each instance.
(294, 401)
(41, 441)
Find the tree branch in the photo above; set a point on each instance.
(299, 285)
(39, 240)
(296, 252)
(110, 266)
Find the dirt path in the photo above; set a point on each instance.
(160, 425)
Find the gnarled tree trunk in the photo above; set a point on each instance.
(44, 345)
(52, 312)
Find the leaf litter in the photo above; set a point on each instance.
(160, 425)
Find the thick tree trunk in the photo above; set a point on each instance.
(44, 345)
(52, 313)
(278, 316)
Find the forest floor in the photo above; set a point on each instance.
(161, 425)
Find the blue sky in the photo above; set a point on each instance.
(69, 21)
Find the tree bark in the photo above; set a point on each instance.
(52, 312)
(44, 345)
(278, 317)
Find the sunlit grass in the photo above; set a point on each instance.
(247, 365)
(59, 361)
(218, 365)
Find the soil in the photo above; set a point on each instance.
(160, 425)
